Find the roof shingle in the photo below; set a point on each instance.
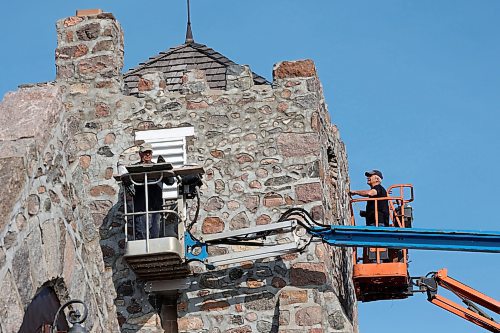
(176, 60)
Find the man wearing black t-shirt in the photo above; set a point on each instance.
(374, 180)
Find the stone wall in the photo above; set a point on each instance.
(47, 239)
(264, 149)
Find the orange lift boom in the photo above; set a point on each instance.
(469, 296)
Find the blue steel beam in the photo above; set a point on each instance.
(410, 238)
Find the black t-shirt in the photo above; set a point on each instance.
(155, 198)
(382, 205)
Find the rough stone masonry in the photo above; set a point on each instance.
(265, 149)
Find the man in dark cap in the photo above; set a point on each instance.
(374, 180)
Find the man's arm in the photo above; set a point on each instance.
(364, 193)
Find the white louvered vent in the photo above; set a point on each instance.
(171, 144)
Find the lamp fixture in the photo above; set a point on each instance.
(74, 317)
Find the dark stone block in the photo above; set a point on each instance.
(313, 84)
(121, 319)
(317, 213)
(277, 181)
(235, 274)
(237, 320)
(134, 307)
(172, 106)
(125, 289)
(307, 101)
(210, 281)
(107, 251)
(214, 203)
(305, 274)
(275, 130)
(105, 151)
(278, 282)
(89, 32)
(264, 272)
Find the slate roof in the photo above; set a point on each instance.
(176, 60)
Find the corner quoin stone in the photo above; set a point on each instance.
(292, 69)
(308, 316)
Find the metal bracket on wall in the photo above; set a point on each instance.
(291, 239)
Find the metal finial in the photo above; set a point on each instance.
(189, 33)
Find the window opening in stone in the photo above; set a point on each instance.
(337, 206)
(39, 315)
(332, 157)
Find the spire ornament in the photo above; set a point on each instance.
(189, 33)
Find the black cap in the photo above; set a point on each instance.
(374, 172)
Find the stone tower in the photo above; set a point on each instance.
(265, 147)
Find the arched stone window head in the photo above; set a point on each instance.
(39, 315)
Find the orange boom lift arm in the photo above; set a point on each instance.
(469, 296)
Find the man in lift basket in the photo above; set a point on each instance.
(374, 180)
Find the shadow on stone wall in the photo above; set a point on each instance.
(347, 295)
(247, 290)
(261, 288)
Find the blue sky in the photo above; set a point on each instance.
(412, 85)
